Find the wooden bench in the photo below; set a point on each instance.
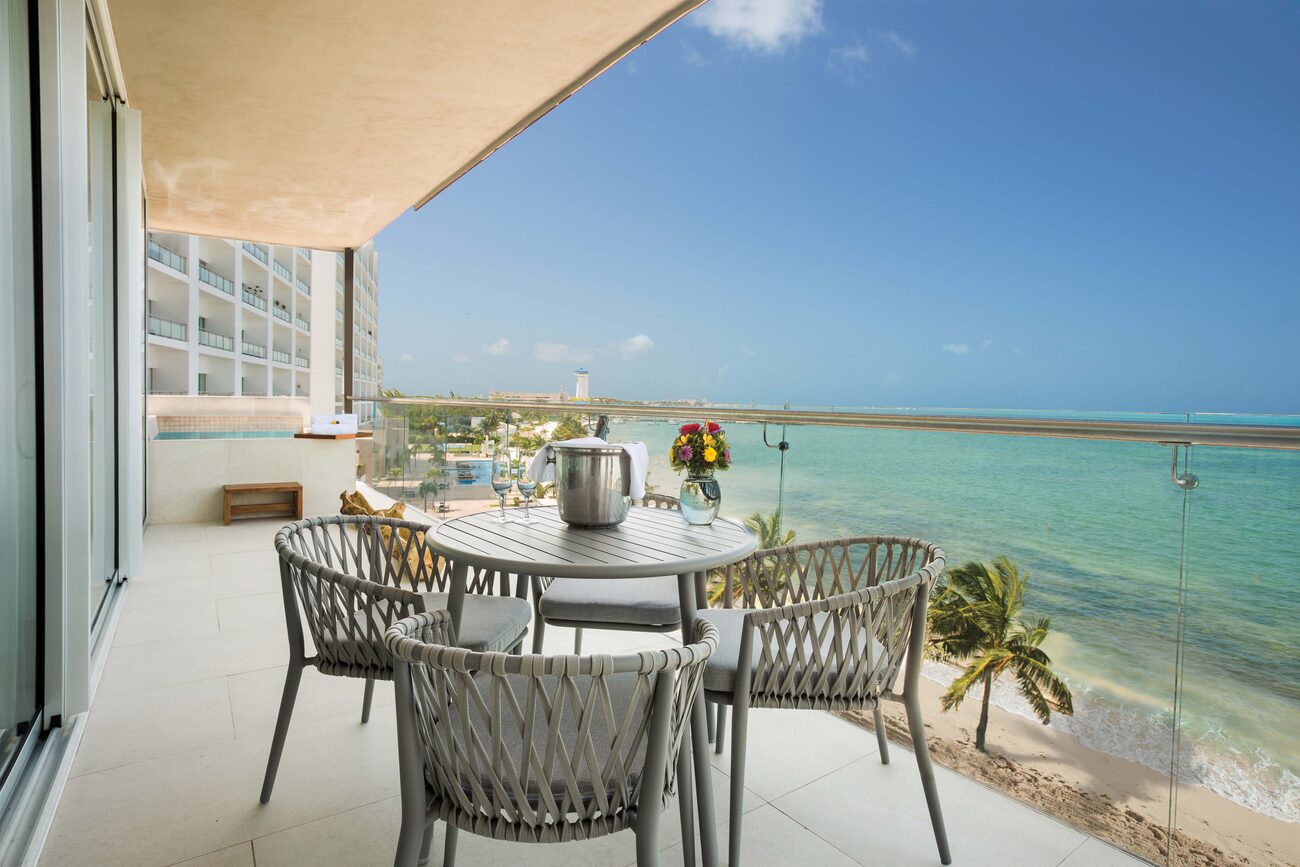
(292, 506)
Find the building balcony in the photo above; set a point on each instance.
(257, 251)
(216, 340)
(282, 272)
(252, 299)
(215, 280)
(302, 323)
(301, 286)
(281, 313)
(253, 350)
(281, 357)
(302, 361)
(160, 327)
(304, 253)
(167, 256)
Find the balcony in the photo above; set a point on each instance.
(304, 253)
(281, 313)
(216, 340)
(257, 251)
(282, 272)
(280, 356)
(253, 350)
(302, 361)
(301, 286)
(168, 328)
(166, 256)
(253, 299)
(302, 323)
(215, 280)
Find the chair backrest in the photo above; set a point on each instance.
(835, 618)
(355, 576)
(541, 748)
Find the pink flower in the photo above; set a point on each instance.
(726, 456)
(689, 429)
(685, 453)
(714, 428)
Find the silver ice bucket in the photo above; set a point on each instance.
(593, 484)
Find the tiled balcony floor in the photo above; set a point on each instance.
(172, 759)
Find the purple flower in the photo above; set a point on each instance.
(685, 453)
(726, 456)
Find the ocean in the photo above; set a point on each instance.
(1099, 527)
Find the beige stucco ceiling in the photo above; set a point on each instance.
(318, 122)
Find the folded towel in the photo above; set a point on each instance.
(543, 469)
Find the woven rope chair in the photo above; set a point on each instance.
(632, 604)
(824, 626)
(538, 749)
(352, 577)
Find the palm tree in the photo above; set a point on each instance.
(974, 620)
(770, 535)
(570, 428)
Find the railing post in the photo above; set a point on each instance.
(349, 311)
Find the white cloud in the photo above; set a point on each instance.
(408, 357)
(987, 342)
(760, 25)
(559, 352)
(956, 348)
(905, 48)
(748, 351)
(500, 346)
(852, 59)
(461, 358)
(634, 346)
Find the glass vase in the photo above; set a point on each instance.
(701, 497)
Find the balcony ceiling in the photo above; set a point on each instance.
(318, 123)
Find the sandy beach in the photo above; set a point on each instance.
(1112, 798)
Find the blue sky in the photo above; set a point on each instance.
(1084, 206)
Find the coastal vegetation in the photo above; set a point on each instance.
(974, 622)
(771, 534)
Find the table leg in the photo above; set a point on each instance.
(456, 596)
(699, 743)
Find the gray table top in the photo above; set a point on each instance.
(650, 542)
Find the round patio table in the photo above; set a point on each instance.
(650, 542)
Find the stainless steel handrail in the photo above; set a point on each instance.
(1193, 433)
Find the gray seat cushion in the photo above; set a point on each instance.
(487, 623)
(651, 602)
(720, 670)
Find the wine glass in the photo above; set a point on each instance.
(502, 479)
(527, 487)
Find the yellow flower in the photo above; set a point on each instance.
(710, 454)
(682, 440)
(708, 440)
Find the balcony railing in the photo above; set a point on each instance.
(281, 313)
(302, 323)
(302, 361)
(257, 251)
(305, 253)
(166, 256)
(215, 280)
(216, 340)
(281, 356)
(302, 287)
(338, 314)
(282, 271)
(166, 328)
(256, 350)
(252, 298)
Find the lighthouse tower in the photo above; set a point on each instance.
(580, 388)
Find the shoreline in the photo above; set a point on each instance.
(1115, 799)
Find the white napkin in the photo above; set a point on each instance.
(543, 469)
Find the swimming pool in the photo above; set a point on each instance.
(472, 472)
(223, 434)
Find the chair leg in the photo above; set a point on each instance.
(292, 678)
(739, 740)
(916, 726)
(538, 632)
(686, 801)
(882, 740)
(647, 839)
(411, 839)
(449, 847)
(722, 728)
(427, 843)
(711, 718)
(369, 697)
(577, 641)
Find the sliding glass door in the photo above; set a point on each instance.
(20, 633)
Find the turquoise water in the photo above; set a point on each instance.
(223, 434)
(1098, 526)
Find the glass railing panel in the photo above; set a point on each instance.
(302, 361)
(305, 253)
(302, 287)
(1238, 766)
(216, 340)
(215, 280)
(281, 313)
(166, 256)
(281, 356)
(302, 323)
(253, 299)
(282, 271)
(257, 251)
(166, 328)
(256, 350)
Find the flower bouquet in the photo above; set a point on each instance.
(700, 450)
